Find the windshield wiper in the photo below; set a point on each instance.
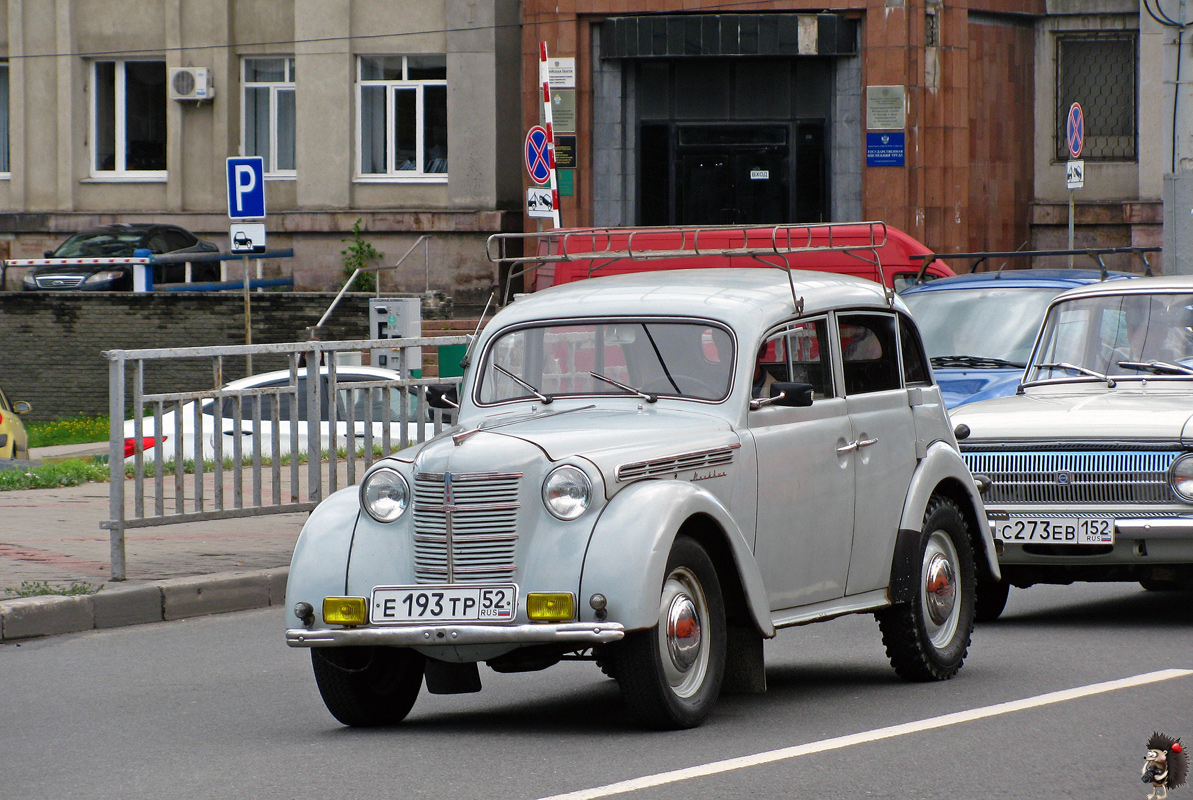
(1164, 367)
(650, 398)
(1110, 384)
(975, 362)
(546, 399)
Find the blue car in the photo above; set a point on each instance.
(979, 328)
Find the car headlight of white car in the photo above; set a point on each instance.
(1180, 477)
(384, 495)
(567, 492)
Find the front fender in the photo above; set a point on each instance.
(627, 553)
(943, 464)
(319, 566)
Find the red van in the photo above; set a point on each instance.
(871, 250)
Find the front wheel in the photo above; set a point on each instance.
(927, 635)
(368, 686)
(670, 675)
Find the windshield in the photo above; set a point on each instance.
(988, 328)
(678, 359)
(1122, 335)
(100, 244)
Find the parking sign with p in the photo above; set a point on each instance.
(246, 187)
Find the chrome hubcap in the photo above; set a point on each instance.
(940, 591)
(683, 647)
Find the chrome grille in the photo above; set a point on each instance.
(1105, 477)
(465, 526)
(58, 281)
(702, 459)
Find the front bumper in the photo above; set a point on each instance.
(1130, 527)
(578, 634)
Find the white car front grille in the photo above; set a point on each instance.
(465, 526)
(1070, 477)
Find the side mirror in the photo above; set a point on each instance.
(22, 407)
(961, 431)
(444, 396)
(49, 254)
(791, 394)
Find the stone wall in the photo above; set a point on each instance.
(52, 344)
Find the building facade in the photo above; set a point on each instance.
(394, 112)
(941, 117)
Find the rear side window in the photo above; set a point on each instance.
(915, 367)
(869, 352)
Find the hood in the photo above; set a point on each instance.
(606, 437)
(1123, 413)
(961, 386)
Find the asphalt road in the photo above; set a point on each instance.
(218, 707)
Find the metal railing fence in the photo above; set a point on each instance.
(237, 451)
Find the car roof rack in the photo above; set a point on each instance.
(770, 245)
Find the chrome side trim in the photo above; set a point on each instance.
(570, 633)
(699, 459)
(816, 612)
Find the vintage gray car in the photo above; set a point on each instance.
(1091, 463)
(654, 472)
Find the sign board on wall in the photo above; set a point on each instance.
(563, 109)
(885, 149)
(886, 108)
(561, 73)
(565, 152)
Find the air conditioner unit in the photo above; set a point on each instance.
(191, 83)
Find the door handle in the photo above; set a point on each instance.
(867, 442)
(847, 448)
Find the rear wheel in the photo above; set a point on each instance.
(927, 636)
(368, 686)
(670, 675)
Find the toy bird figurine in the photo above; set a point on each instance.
(1165, 766)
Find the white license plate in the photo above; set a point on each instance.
(1055, 530)
(444, 603)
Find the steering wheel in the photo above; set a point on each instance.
(686, 384)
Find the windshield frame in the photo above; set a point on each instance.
(1101, 303)
(484, 363)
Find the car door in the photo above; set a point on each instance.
(805, 483)
(883, 442)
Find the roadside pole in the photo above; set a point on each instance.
(246, 201)
(553, 184)
(248, 319)
(1075, 168)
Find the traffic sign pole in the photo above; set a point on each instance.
(548, 122)
(1075, 139)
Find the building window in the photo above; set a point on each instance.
(402, 122)
(5, 167)
(269, 113)
(1098, 70)
(128, 119)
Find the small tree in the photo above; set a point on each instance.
(358, 255)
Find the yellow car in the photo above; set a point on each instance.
(14, 442)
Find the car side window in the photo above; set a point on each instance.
(797, 354)
(915, 366)
(869, 352)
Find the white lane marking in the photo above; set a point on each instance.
(742, 762)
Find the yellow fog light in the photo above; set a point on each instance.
(345, 610)
(550, 606)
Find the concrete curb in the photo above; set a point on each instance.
(176, 598)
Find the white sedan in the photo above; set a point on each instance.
(269, 411)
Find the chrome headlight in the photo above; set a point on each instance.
(384, 495)
(105, 275)
(1180, 477)
(566, 492)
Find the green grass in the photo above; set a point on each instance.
(40, 588)
(76, 430)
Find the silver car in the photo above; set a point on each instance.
(654, 472)
(1091, 463)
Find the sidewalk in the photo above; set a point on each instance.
(174, 571)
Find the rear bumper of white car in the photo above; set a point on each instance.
(579, 634)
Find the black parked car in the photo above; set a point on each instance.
(81, 261)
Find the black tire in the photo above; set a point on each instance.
(991, 600)
(1166, 584)
(668, 679)
(927, 636)
(368, 686)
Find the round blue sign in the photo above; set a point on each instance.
(537, 160)
(1075, 130)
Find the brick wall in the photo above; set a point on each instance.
(51, 344)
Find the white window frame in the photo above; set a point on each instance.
(121, 172)
(392, 174)
(275, 88)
